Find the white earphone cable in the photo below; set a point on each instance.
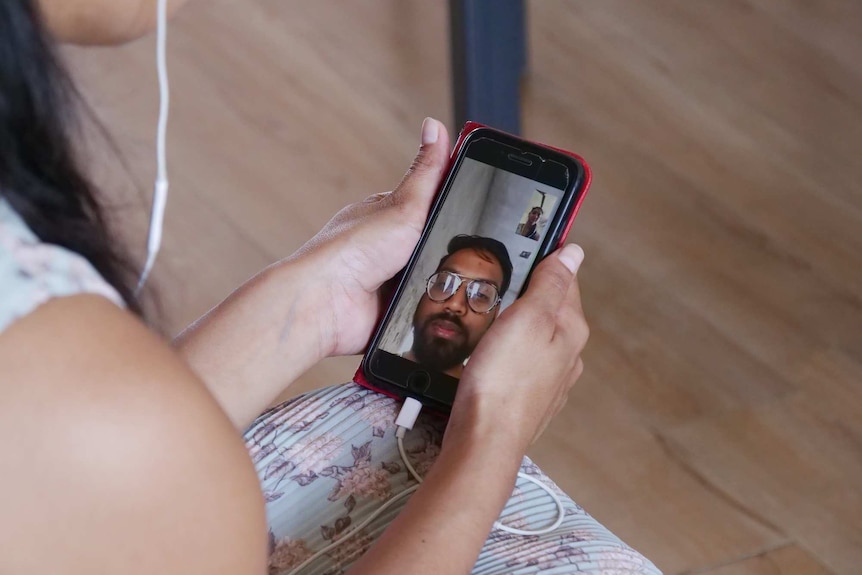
(160, 190)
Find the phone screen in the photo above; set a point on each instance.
(476, 257)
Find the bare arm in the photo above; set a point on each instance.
(253, 345)
(115, 457)
(102, 22)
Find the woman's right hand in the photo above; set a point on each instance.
(519, 376)
(516, 381)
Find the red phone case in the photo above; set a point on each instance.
(469, 128)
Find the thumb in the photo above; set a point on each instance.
(428, 168)
(553, 277)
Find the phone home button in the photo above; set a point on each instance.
(419, 381)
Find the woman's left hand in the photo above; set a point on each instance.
(368, 243)
(323, 300)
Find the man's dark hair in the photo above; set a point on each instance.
(534, 208)
(488, 246)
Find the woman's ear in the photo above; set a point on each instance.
(101, 22)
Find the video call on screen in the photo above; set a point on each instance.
(484, 241)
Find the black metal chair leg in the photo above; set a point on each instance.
(488, 50)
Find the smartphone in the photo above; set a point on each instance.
(505, 204)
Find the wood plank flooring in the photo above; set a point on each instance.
(718, 426)
(789, 560)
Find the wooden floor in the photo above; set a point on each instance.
(718, 427)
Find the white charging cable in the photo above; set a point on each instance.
(160, 191)
(404, 422)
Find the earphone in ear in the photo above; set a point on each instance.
(160, 189)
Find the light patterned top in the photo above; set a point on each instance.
(33, 272)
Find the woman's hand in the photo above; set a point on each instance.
(368, 243)
(516, 381)
(520, 374)
(324, 300)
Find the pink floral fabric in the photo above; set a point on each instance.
(329, 459)
(33, 272)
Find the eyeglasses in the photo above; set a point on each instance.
(482, 296)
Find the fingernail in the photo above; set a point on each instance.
(572, 255)
(430, 130)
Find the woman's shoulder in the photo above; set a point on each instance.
(115, 456)
(33, 272)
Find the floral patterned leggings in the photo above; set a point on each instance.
(329, 458)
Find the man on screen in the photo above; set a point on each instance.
(461, 301)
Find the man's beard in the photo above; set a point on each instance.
(438, 353)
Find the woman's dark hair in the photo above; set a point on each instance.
(40, 173)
